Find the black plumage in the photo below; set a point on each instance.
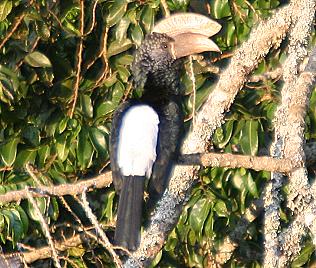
(156, 72)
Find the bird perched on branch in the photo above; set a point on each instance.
(146, 132)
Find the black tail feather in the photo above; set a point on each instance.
(129, 215)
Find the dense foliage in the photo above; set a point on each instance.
(40, 46)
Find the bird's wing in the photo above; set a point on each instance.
(133, 141)
(169, 141)
(138, 135)
(116, 124)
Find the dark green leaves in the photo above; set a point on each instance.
(13, 224)
(38, 71)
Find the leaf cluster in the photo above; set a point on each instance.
(39, 47)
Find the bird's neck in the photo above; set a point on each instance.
(162, 85)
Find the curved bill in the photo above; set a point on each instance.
(189, 43)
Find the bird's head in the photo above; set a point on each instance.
(158, 59)
(155, 54)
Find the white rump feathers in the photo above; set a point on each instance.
(137, 141)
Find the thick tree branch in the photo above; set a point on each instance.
(209, 159)
(289, 133)
(301, 197)
(236, 161)
(100, 181)
(267, 34)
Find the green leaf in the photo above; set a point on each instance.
(156, 260)
(53, 209)
(98, 141)
(304, 256)
(223, 134)
(24, 219)
(121, 28)
(203, 93)
(32, 135)
(86, 106)
(220, 8)
(209, 225)
(108, 210)
(8, 221)
(61, 146)
(118, 92)
(62, 125)
(198, 215)
(221, 209)
(2, 223)
(105, 108)
(123, 73)
(119, 46)
(238, 181)
(42, 205)
(110, 81)
(249, 137)
(24, 157)
(85, 149)
(147, 18)
(116, 12)
(123, 59)
(43, 154)
(5, 9)
(17, 226)
(137, 35)
(8, 151)
(251, 185)
(37, 59)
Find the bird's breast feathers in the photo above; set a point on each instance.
(138, 136)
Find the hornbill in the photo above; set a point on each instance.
(146, 131)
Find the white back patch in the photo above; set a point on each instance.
(137, 141)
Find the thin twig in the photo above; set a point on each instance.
(100, 51)
(104, 57)
(193, 91)
(165, 8)
(30, 171)
(272, 75)
(79, 61)
(13, 29)
(90, 28)
(45, 228)
(106, 243)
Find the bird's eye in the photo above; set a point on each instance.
(164, 45)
